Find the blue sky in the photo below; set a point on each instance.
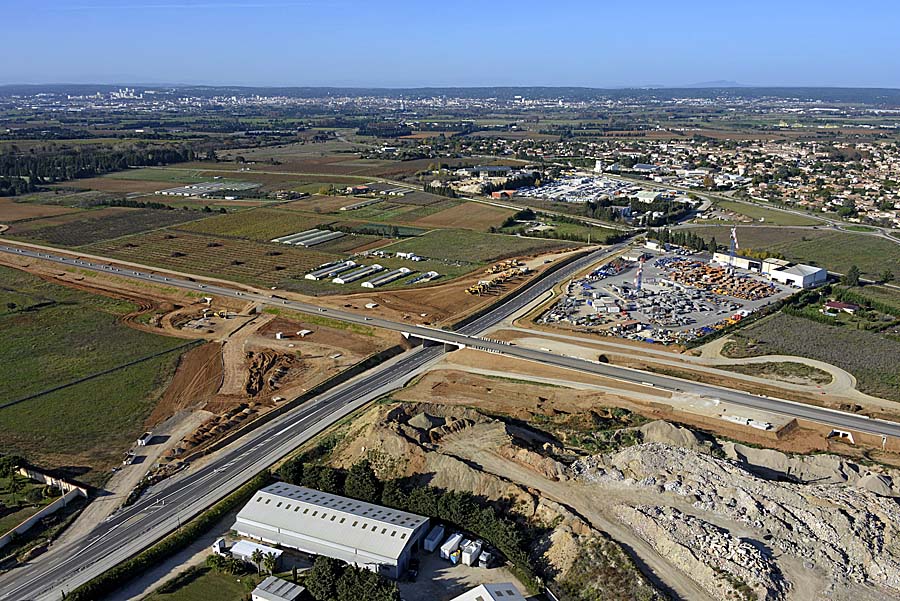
(597, 43)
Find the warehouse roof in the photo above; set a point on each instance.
(309, 514)
(491, 592)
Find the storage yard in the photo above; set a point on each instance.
(665, 297)
(581, 189)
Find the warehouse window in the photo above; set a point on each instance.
(315, 513)
(393, 533)
(279, 504)
(383, 530)
(354, 524)
(343, 520)
(332, 517)
(259, 499)
(287, 507)
(365, 526)
(374, 528)
(306, 510)
(267, 501)
(403, 535)
(297, 508)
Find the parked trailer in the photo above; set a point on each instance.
(451, 545)
(471, 552)
(434, 538)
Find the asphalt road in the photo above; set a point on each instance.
(165, 506)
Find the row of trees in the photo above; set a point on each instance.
(14, 186)
(685, 238)
(74, 163)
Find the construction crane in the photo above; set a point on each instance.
(734, 247)
(639, 275)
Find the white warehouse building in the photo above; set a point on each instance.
(320, 523)
(777, 270)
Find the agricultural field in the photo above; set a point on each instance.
(565, 230)
(12, 211)
(835, 251)
(169, 175)
(95, 228)
(53, 336)
(769, 216)
(467, 215)
(249, 262)
(465, 246)
(870, 356)
(29, 501)
(259, 224)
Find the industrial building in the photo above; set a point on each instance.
(320, 523)
(330, 270)
(505, 591)
(276, 589)
(777, 270)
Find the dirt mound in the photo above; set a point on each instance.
(666, 433)
(881, 485)
(424, 421)
(196, 380)
(818, 469)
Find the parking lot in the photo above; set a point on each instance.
(439, 580)
(681, 296)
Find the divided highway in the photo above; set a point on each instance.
(165, 506)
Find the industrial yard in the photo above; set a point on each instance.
(662, 296)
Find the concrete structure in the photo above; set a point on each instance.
(505, 591)
(319, 523)
(276, 589)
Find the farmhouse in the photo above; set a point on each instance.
(320, 523)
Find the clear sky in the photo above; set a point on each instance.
(596, 43)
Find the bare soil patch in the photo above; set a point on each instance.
(470, 215)
(11, 211)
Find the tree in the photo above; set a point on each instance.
(851, 278)
(294, 574)
(16, 484)
(362, 483)
(270, 560)
(887, 276)
(321, 580)
(216, 562)
(257, 558)
(712, 246)
(9, 464)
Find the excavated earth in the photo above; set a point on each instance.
(709, 519)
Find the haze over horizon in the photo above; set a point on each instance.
(461, 44)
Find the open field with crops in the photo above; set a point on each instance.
(467, 215)
(172, 176)
(53, 336)
(95, 228)
(870, 356)
(474, 247)
(259, 224)
(767, 215)
(257, 263)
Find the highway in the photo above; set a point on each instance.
(174, 501)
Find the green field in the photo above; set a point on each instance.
(96, 229)
(870, 356)
(204, 584)
(258, 224)
(245, 261)
(835, 251)
(465, 246)
(54, 336)
(859, 228)
(769, 216)
(176, 176)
